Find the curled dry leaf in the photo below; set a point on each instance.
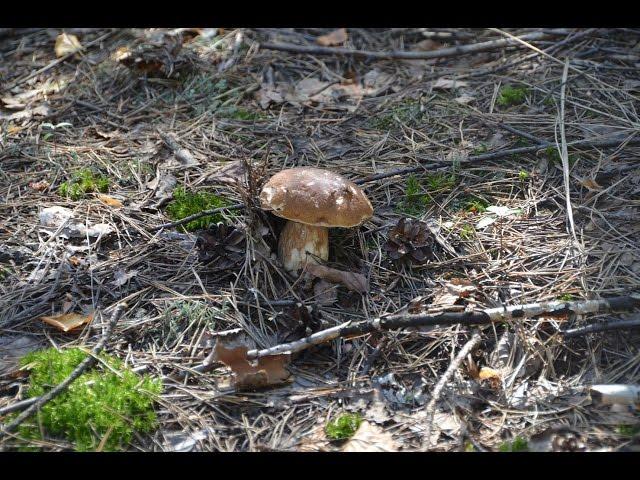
(110, 201)
(67, 321)
(370, 438)
(40, 186)
(449, 83)
(353, 281)
(232, 173)
(337, 37)
(66, 44)
(231, 349)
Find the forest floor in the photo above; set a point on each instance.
(479, 139)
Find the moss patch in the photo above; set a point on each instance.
(104, 405)
(83, 182)
(343, 427)
(518, 444)
(510, 95)
(186, 203)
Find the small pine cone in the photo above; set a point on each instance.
(223, 243)
(410, 240)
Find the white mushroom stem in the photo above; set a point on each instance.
(300, 243)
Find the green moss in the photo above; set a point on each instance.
(186, 203)
(522, 175)
(440, 181)
(482, 148)
(473, 204)
(510, 95)
(518, 444)
(103, 405)
(628, 430)
(84, 181)
(468, 447)
(567, 297)
(343, 427)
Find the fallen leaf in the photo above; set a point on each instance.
(107, 200)
(231, 349)
(67, 321)
(590, 183)
(337, 37)
(353, 281)
(231, 173)
(465, 98)
(121, 277)
(448, 84)
(427, 45)
(451, 293)
(40, 186)
(325, 293)
(66, 44)
(370, 438)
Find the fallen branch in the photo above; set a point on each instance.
(435, 164)
(440, 53)
(183, 155)
(195, 216)
(437, 390)
(602, 327)
(88, 362)
(479, 317)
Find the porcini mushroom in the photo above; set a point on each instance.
(313, 200)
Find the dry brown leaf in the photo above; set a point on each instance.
(107, 200)
(353, 281)
(370, 438)
(67, 321)
(590, 183)
(449, 83)
(40, 186)
(337, 37)
(66, 44)
(325, 293)
(454, 290)
(232, 173)
(427, 45)
(270, 370)
(487, 372)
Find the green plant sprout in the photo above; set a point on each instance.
(102, 408)
(84, 181)
(518, 444)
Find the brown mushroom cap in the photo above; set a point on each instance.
(315, 197)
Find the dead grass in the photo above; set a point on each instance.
(175, 301)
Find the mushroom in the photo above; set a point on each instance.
(313, 200)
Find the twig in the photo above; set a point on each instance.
(602, 326)
(89, 361)
(480, 317)
(183, 155)
(441, 53)
(564, 154)
(195, 216)
(437, 390)
(435, 164)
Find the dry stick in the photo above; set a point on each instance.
(183, 155)
(195, 216)
(479, 317)
(441, 53)
(79, 370)
(56, 62)
(493, 155)
(602, 326)
(437, 390)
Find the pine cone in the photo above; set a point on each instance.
(223, 243)
(410, 240)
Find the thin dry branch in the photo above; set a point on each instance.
(441, 53)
